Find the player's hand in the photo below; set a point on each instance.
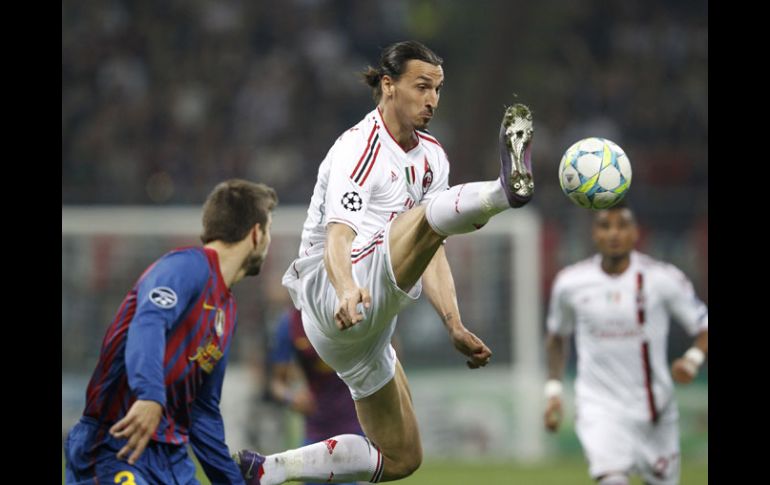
(137, 425)
(347, 313)
(553, 414)
(683, 370)
(471, 346)
(303, 402)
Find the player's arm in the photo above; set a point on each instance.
(560, 323)
(339, 267)
(281, 370)
(439, 286)
(298, 399)
(685, 368)
(207, 431)
(556, 349)
(691, 313)
(162, 297)
(353, 174)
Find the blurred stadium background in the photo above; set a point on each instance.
(162, 100)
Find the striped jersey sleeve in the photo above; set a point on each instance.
(164, 294)
(353, 174)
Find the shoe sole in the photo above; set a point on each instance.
(515, 140)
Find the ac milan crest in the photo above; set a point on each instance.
(427, 179)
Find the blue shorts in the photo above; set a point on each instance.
(159, 464)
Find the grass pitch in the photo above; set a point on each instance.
(563, 471)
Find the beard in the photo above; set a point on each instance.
(422, 123)
(253, 264)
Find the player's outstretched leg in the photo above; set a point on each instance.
(467, 207)
(416, 234)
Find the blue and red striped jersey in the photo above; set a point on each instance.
(169, 343)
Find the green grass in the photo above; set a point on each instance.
(565, 471)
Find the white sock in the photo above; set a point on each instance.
(343, 458)
(466, 208)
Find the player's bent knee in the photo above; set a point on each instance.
(411, 460)
(405, 466)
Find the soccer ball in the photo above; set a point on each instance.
(595, 173)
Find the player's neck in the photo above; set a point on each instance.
(404, 135)
(231, 259)
(615, 265)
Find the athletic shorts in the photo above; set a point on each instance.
(160, 463)
(362, 354)
(615, 443)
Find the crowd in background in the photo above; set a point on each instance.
(161, 100)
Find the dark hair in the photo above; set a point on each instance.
(393, 63)
(234, 207)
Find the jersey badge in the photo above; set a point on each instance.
(352, 201)
(163, 297)
(427, 179)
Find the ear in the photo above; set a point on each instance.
(256, 234)
(387, 85)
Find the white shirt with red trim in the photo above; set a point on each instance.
(366, 180)
(621, 325)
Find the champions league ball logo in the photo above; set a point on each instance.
(352, 201)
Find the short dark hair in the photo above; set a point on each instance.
(393, 63)
(233, 208)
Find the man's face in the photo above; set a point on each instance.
(416, 93)
(615, 233)
(253, 263)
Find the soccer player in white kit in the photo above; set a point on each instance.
(618, 303)
(372, 241)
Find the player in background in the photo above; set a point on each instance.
(618, 303)
(158, 380)
(373, 240)
(324, 400)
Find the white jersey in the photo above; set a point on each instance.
(621, 324)
(366, 180)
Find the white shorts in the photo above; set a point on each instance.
(362, 354)
(615, 443)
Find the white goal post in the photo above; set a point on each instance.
(526, 371)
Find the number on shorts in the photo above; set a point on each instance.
(125, 478)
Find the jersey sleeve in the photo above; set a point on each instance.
(354, 172)
(682, 302)
(207, 432)
(164, 294)
(281, 348)
(561, 315)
